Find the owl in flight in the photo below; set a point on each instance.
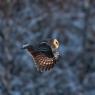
(44, 54)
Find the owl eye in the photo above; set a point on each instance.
(56, 43)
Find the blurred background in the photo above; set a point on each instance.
(72, 22)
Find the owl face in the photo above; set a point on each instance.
(43, 55)
(54, 43)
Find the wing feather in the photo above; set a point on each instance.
(43, 62)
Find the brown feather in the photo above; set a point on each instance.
(43, 62)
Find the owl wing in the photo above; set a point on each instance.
(43, 62)
(45, 48)
(43, 56)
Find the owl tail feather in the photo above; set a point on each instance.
(28, 47)
(25, 46)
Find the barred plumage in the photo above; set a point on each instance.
(44, 54)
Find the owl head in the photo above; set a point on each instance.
(54, 43)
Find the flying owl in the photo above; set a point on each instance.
(45, 54)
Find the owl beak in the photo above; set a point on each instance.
(25, 46)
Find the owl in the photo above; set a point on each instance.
(45, 54)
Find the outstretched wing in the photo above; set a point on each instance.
(42, 56)
(43, 62)
(45, 48)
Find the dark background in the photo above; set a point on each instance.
(72, 22)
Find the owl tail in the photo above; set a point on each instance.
(25, 46)
(28, 47)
